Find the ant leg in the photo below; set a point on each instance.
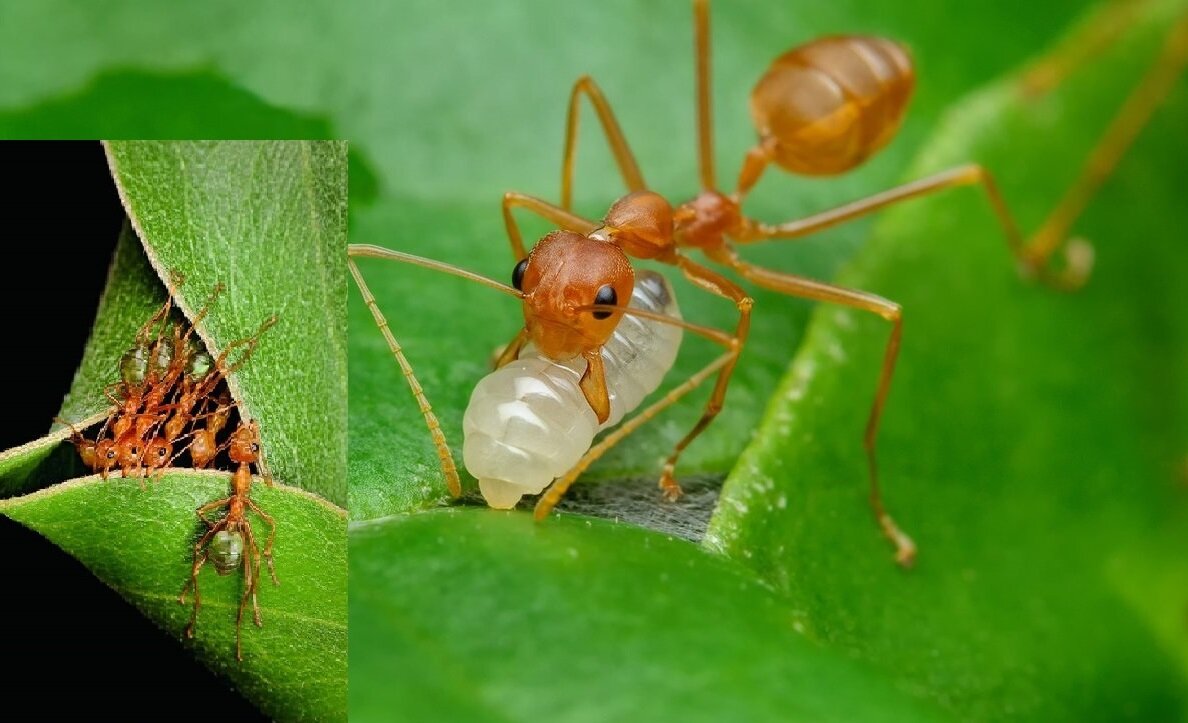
(250, 538)
(1034, 253)
(905, 549)
(705, 129)
(214, 294)
(449, 470)
(614, 137)
(199, 561)
(249, 582)
(1031, 255)
(271, 538)
(1135, 113)
(249, 342)
(557, 215)
(723, 366)
(1103, 30)
(201, 511)
(719, 285)
(557, 490)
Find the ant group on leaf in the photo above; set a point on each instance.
(172, 400)
(579, 365)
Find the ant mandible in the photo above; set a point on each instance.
(821, 109)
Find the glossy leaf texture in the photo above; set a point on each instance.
(441, 628)
(140, 542)
(1034, 441)
(267, 220)
(444, 203)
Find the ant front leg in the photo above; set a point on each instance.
(211, 507)
(624, 158)
(449, 469)
(905, 549)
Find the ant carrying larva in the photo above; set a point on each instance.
(821, 109)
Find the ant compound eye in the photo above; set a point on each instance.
(255, 447)
(518, 275)
(111, 454)
(606, 295)
(161, 452)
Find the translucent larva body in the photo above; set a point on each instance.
(827, 106)
(528, 423)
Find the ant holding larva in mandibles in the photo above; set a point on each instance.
(821, 109)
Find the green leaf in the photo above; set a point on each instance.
(140, 542)
(287, 214)
(1031, 440)
(444, 607)
(443, 200)
(268, 220)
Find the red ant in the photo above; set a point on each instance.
(230, 542)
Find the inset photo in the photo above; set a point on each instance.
(177, 456)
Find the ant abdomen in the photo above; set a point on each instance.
(826, 106)
(226, 551)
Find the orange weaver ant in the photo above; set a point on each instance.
(821, 109)
(167, 386)
(171, 390)
(230, 542)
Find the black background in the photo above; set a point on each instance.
(74, 648)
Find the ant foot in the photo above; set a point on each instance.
(670, 488)
(905, 548)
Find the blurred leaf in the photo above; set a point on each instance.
(141, 543)
(267, 219)
(1030, 441)
(444, 603)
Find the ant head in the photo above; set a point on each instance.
(564, 273)
(106, 456)
(128, 450)
(245, 443)
(156, 453)
(226, 551)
